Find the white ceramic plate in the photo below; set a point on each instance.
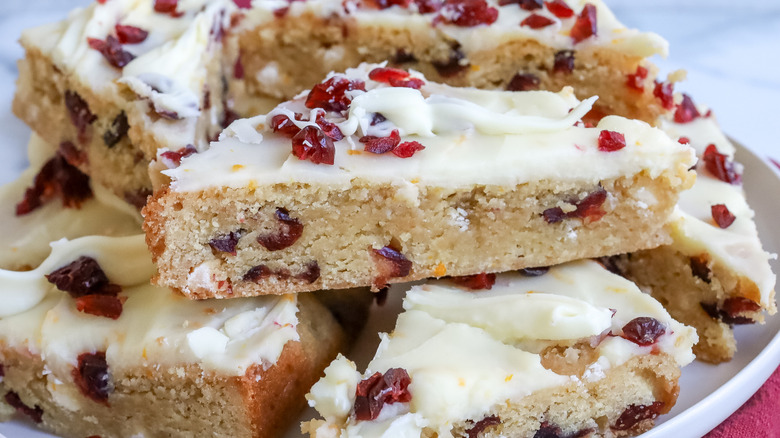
(708, 393)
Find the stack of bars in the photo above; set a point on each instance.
(186, 256)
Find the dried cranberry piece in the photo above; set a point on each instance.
(729, 312)
(536, 21)
(585, 26)
(380, 145)
(35, 414)
(534, 272)
(282, 124)
(112, 51)
(720, 166)
(700, 269)
(117, 131)
(611, 141)
(643, 330)
(564, 62)
(468, 13)
(130, 34)
(384, 4)
(312, 144)
(377, 118)
(176, 156)
(330, 129)
(636, 413)
(258, 272)
(2, 370)
(227, 242)
(481, 425)
(108, 306)
(238, 68)
(71, 154)
(636, 80)
(722, 216)
(380, 389)
(452, 66)
(401, 55)
(229, 117)
(686, 111)
(331, 94)
(79, 113)
(311, 273)
(684, 140)
(554, 215)
(547, 430)
(590, 207)
(56, 178)
(407, 149)
(423, 7)
(528, 5)
(84, 276)
(243, 4)
(559, 8)
(523, 82)
(735, 305)
(395, 77)
(167, 7)
(290, 230)
(390, 263)
(91, 376)
(664, 91)
(476, 281)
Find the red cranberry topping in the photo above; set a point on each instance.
(167, 7)
(423, 7)
(390, 263)
(643, 330)
(79, 113)
(523, 82)
(283, 125)
(175, 157)
(664, 91)
(684, 140)
(331, 94)
(528, 5)
(468, 13)
(700, 269)
(477, 281)
(312, 144)
(686, 111)
(534, 272)
(381, 389)
(564, 62)
(611, 141)
(243, 4)
(35, 414)
(637, 80)
(330, 129)
(91, 376)
(130, 34)
(290, 230)
(722, 216)
(227, 242)
(108, 306)
(585, 26)
(395, 77)
(112, 51)
(380, 145)
(454, 65)
(720, 166)
(56, 178)
(84, 276)
(636, 413)
(536, 21)
(117, 131)
(407, 149)
(479, 426)
(559, 8)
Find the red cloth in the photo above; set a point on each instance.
(758, 417)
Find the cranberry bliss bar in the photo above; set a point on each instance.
(362, 183)
(571, 352)
(715, 274)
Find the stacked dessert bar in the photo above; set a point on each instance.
(521, 158)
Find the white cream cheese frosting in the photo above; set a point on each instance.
(470, 137)
(468, 351)
(25, 240)
(695, 232)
